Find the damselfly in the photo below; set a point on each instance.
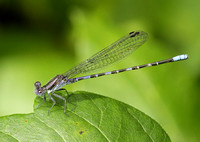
(116, 51)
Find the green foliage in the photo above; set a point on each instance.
(40, 39)
(91, 118)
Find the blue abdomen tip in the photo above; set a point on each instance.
(180, 57)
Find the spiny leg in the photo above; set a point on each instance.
(43, 101)
(65, 102)
(64, 90)
(54, 102)
(67, 96)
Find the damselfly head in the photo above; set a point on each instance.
(38, 89)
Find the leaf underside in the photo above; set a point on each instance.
(91, 117)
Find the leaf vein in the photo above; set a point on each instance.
(49, 127)
(99, 110)
(119, 129)
(152, 129)
(9, 135)
(91, 124)
(141, 125)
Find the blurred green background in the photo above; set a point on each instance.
(40, 39)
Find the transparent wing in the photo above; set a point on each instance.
(116, 51)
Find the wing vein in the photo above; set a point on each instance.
(116, 51)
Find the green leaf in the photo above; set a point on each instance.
(91, 118)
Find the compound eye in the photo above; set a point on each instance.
(37, 84)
